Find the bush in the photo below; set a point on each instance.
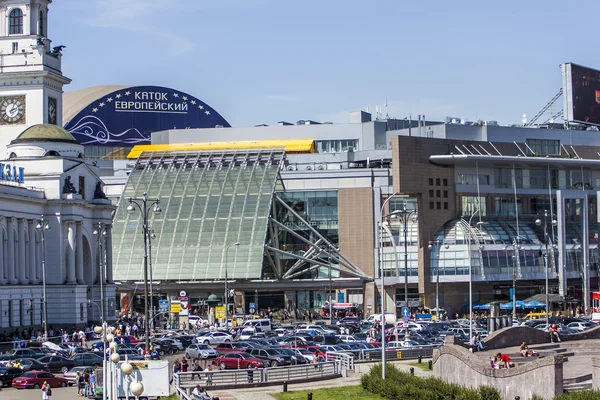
(400, 385)
(580, 395)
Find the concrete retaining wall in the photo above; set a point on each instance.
(542, 376)
(514, 336)
(596, 373)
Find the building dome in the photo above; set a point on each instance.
(44, 133)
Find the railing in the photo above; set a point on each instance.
(346, 360)
(400, 353)
(186, 381)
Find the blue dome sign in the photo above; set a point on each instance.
(126, 117)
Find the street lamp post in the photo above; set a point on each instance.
(515, 250)
(44, 226)
(142, 205)
(330, 296)
(472, 237)
(382, 272)
(405, 215)
(236, 244)
(151, 236)
(437, 243)
(101, 233)
(547, 239)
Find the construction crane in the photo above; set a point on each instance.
(546, 107)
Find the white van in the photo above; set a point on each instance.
(261, 325)
(389, 318)
(247, 333)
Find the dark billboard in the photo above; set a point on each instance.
(581, 94)
(126, 117)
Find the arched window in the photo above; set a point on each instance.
(42, 30)
(16, 22)
(12, 156)
(52, 153)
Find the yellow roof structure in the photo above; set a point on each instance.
(290, 146)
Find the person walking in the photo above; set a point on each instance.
(46, 391)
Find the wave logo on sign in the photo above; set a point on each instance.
(98, 133)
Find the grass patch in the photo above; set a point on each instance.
(423, 366)
(334, 393)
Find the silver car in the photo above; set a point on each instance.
(201, 351)
(215, 337)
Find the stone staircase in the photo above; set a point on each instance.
(576, 376)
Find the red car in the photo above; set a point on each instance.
(238, 360)
(316, 350)
(128, 339)
(35, 379)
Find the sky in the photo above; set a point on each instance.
(264, 61)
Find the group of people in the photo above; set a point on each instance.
(200, 393)
(476, 343)
(184, 366)
(86, 384)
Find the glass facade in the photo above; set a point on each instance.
(320, 210)
(396, 242)
(209, 201)
(336, 146)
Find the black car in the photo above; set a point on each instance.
(30, 364)
(87, 360)
(272, 357)
(57, 363)
(7, 374)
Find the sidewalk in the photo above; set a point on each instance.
(353, 378)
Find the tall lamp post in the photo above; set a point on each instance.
(472, 237)
(236, 244)
(44, 226)
(101, 233)
(406, 215)
(142, 205)
(382, 271)
(151, 235)
(516, 246)
(437, 243)
(547, 239)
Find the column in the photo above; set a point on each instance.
(3, 271)
(10, 261)
(22, 271)
(108, 260)
(71, 279)
(79, 254)
(32, 254)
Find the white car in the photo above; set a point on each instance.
(201, 351)
(215, 337)
(247, 333)
(403, 344)
(582, 325)
(347, 338)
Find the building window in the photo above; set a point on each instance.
(445, 205)
(82, 186)
(505, 206)
(15, 47)
(430, 192)
(15, 22)
(438, 193)
(439, 205)
(336, 146)
(42, 30)
(437, 182)
(470, 205)
(430, 181)
(504, 178)
(471, 179)
(445, 194)
(543, 147)
(431, 205)
(445, 182)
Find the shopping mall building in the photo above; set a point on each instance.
(317, 208)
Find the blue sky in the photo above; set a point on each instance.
(262, 61)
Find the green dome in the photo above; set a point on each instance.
(45, 133)
(212, 297)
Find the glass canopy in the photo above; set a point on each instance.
(210, 201)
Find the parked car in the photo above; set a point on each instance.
(239, 360)
(35, 379)
(22, 353)
(30, 364)
(226, 348)
(56, 363)
(272, 357)
(127, 339)
(87, 360)
(7, 374)
(296, 359)
(71, 375)
(215, 337)
(201, 351)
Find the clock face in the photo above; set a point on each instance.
(52, 110)
(12, 109)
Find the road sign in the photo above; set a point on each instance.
(175, 307)
(182, 293)
(252, 311)
(405, 314)
(220, 312)
(252, 305)
(163, 305)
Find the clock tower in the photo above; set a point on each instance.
(31, 80)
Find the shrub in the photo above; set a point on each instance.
(580, 395)
(400, 385)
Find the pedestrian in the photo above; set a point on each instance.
(80, 384)
(46, 391)
(209, 374)
(184, 365)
